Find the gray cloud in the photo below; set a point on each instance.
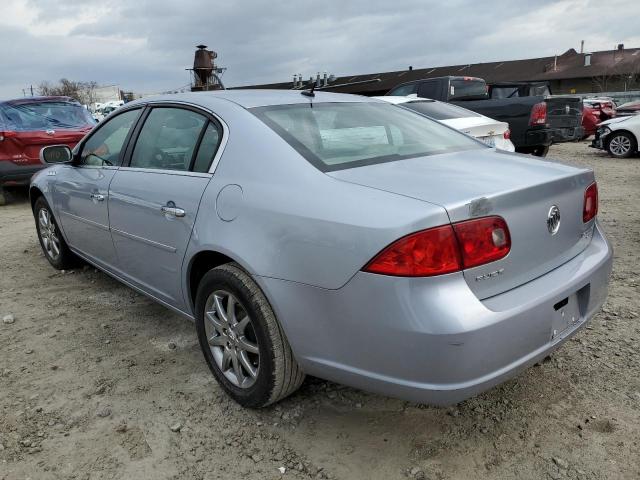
(146, 45)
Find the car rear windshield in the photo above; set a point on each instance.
(439, 110)
(45, 115)
(334, 136)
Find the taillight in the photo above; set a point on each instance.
(422, 254)
(482, 240)
(507, 134)
(445, 249)
(590, 207)
(7, 134)
(538, 114)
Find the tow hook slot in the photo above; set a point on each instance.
(560, 304)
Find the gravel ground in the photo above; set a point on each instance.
(98, 382)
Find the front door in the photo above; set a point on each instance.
(82, 189)
(153, 201)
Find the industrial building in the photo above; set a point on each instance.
(570, 73)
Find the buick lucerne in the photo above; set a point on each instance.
(331, 235)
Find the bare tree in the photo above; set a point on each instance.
(83, 92)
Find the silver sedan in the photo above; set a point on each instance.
(331, 235)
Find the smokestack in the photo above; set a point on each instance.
(295, 80)
(325, 80)
(581, 46)
(300, 80)
(318, 79)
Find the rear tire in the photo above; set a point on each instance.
(54, 247)
(540, 151)
(621, 144)
(254, 376)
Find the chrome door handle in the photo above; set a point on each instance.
(173, 211)
(97, 197)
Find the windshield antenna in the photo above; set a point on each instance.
(310, 92)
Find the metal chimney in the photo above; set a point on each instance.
(581, 46)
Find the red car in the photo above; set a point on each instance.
(594, 111)
(28, 124)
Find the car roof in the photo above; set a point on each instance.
(39, 99)
(396, 99)
(250, 98)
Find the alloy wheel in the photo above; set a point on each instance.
(620, 145)
(48, 234)
(232, 339)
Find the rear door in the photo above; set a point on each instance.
(82, 189)
(154, 199)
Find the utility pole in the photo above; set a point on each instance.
(31, 87)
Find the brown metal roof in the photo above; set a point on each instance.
(570, 64)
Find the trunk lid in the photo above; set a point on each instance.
(520, 189)
(23, 147)
(564, 112)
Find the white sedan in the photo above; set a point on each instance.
(492, 132)
(618, 136)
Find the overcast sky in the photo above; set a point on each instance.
(145, 45)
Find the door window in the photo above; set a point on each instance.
(429, 90)
(403, 90)
(104, 146)
(168, 139)
(207, 149)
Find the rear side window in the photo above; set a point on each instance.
(335, 136)
(404, 90)
(468, 89)
(439, 110)
(429, 89)
(168, 139)
(35, 116)
(208, 147)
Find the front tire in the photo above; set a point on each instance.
(54, 247)
(241, 339)
(621, 144)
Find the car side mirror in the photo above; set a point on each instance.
(56, 154)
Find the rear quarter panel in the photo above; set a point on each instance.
(285, 219)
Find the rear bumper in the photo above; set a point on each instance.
(567, 134)
(17, 175)
(533, 138)
(431, 340)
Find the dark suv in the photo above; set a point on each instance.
(27, 125)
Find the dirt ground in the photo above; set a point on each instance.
(98, 382)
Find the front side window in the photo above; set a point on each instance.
(104, 146)
(168, 139)
(439, 110)
(334, 136)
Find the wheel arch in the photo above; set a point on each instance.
(199, 264)
(34, 194)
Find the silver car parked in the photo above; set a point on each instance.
(331, 235)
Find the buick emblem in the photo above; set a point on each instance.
(51, 132)
(553, 220)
